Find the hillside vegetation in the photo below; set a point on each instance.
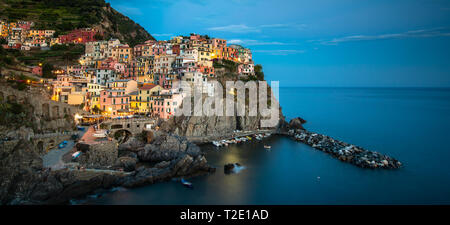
(66, 15)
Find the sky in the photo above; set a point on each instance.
(318, 43)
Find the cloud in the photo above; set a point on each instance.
(280, 52)
(253, 42)
(162, 35)
(242, 28)
(126, 10)
(436, 32)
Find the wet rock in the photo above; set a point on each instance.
(229, 167)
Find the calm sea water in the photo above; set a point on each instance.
(409, 124)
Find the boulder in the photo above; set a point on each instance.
(228, 168)
(297, 123)
(167, 147)
(127, 163)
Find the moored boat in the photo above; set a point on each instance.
(186, 183)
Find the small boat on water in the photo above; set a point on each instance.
(216, 143)
(267, 146)
(186, 183)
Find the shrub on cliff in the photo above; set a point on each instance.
(12, 113)
(47, 69)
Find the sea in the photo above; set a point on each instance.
(409, 124)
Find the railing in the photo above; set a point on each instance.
(49, 135)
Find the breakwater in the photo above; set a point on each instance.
(344, 151)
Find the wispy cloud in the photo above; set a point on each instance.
(436, 32)
(280, 52)
(254, 42)
(242, 28)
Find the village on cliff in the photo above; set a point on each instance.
(113, 79)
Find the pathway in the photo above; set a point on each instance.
(53, 158)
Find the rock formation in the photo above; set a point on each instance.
(344, 151)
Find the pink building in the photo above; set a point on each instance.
(25, 25)
(218, 43)
(78, 36)
(114, 102)
(37, 70)
(166, 104)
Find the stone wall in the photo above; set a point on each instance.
(101, 155)
(46, 115)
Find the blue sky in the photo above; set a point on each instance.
(368, 43)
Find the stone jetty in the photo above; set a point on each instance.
(344, 151)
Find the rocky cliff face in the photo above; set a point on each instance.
(206, 128)
(24, 113)
(24, 180)
(172, 156)
(114, 24)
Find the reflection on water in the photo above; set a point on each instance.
(408, 124)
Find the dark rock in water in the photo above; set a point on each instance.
(229, 167)
(297, 123)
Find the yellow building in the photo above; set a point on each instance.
(123, 53)
(145, 97)
(134, 101)
(146, 78)
(95, 102)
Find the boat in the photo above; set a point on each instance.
(216, 143)
(186, 183)
(249, 138)
(76, 154)
(267, 146)
(62, 144)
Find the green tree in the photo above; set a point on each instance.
(258, 72)
(47, 70)
(98, 37)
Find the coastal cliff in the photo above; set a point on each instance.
(203, 129)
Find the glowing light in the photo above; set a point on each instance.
(77, 116)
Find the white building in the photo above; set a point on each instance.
(105, 75)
